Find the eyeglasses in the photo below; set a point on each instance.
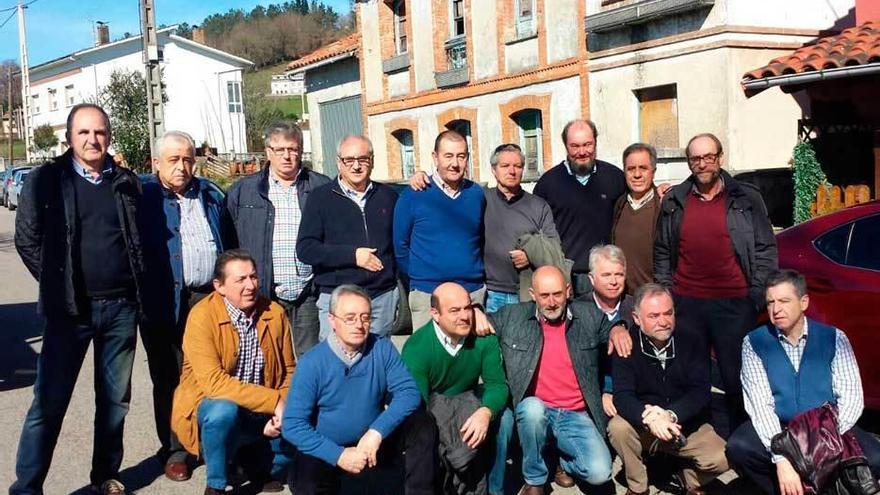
(709, 158)
(350, 161)
(352, 320)
(284, 151)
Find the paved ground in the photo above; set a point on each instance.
(19, 346)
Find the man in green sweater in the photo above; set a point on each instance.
(447, 362)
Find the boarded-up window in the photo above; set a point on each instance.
(658, 116)
(531, 142)
(463, 127)
(407, 152)
(400, 26)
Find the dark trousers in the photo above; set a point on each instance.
(163, 342)
(111, 325)
(747, 455)
(721, 324)
(415, 440)
(303, 317)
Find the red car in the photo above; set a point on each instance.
(839, 254)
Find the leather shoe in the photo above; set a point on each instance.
(531, 490)
(273, 486)
(213, 491)
(177, 471)
(112, 487)
(563, 479)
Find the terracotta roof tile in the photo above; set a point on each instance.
(854, 46)
(348, 44)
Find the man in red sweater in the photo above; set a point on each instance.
(715, 249)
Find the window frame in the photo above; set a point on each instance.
(452, 20)
(35, 103)
(401, 39)
(406, 150)
(525, 26)
(69, 95)
(537, 133)
(234, 102)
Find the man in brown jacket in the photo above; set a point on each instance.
(237, 365)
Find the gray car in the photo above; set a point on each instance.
(5, 179)
(14, 188)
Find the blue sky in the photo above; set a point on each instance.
(59, 27)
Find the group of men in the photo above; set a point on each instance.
(538, 322)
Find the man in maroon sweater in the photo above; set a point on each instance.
(715, 249)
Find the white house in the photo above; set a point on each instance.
(288, 84)
(203, 86)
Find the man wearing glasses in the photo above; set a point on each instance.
(346, 237)
(355, 406)
(267, 210)
(715, 249)
(661, 392)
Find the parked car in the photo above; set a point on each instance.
(5, 180)
(14, 190)
(839, 254)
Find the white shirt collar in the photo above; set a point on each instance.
(612, 314)
(451, 347)
(635, 204)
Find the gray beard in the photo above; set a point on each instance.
(583, 169)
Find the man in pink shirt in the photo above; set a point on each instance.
(551, 350)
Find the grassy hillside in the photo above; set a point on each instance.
(17, 148)
(291, 106)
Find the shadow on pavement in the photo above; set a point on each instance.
(18, 361)
(142, 474)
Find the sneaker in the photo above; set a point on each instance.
(112, 487)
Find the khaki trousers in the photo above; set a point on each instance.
(704, 448)
(420, 305)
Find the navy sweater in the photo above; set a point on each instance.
(333, 227)
(439, 239)
(330, 406)
(583, 214)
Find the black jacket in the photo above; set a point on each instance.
(521, 338)
(254, 217)
(683, 386)
(750, 231)
(46, 229)
(333, 227)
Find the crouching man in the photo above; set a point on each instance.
(237, 365)
(661, 393)
(812, 363)
(448, 361)
(336, 414)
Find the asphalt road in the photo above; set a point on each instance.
(19, 346)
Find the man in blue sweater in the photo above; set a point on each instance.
(337, 414)
(438, 232)
(345, 235)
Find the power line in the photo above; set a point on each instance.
(7, 9)
(7, 19)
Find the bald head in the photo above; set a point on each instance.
(452, 310)
(579, 137)
(550, 292)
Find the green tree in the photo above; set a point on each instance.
(259, 112)
(44, 138)
(808, 176)
(124, 98)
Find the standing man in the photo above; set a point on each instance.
(662, 397)
(581, 192)
(449, 362)
(635, 215)
(715, 249)
(790, 366)
(346, 236)
(551, 351)
(183, 234)
(237, 366)
(438, 232)
(267, 210)
(356, 406)
(77, 233)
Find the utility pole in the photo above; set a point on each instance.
(28, 131)
(155, 107)
(9, 112)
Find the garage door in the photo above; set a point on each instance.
(338, 119)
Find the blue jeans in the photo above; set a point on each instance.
(496, 300)
(224, 427)
(382, 307)
(582, 449)
(111, 325)
(502, 442)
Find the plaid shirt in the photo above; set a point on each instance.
(845, 382)
(249, 368)
(199, 251)
(291, 276)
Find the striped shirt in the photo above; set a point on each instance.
(199, 251)
(249, 368)
(291, 276)
(87, 175)
(760, 405)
